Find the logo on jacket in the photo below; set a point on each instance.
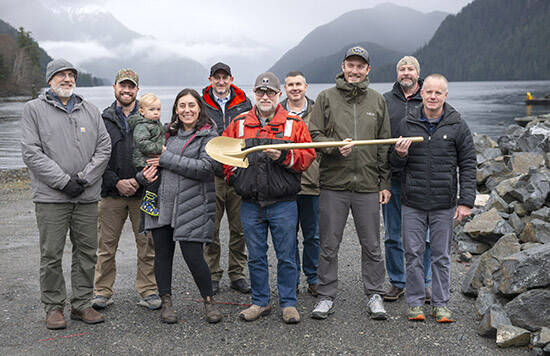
(83, 130)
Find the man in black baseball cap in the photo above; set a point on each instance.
(224, 101)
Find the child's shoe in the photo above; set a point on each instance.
(149, 204)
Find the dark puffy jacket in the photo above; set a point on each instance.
(398, 106)
(237, 104)
(121, 164)
(429, 175)
(266, 181)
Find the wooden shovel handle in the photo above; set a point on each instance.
(288, 146)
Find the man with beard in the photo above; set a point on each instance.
(351, 178)
(121, 197)
(66, 147)
(224, 101)
(404, 96)
(297, 103)
(268, 188)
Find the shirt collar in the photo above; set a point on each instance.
(297, 113)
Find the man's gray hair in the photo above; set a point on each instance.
(409, 60)
(440, 77)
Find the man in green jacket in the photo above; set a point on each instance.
(356, 178)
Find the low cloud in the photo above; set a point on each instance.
(77, 52)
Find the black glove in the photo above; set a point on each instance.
(72, 188)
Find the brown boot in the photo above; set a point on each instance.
(212, 313)
(167, 313)
(88, 315)
(55, 319)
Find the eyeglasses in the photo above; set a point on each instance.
(270, 93)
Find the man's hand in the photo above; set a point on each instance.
(150, 173)
(346, 150)
(127, 187)
(402, 146)
(73, 188)
(273, 154)
(462, 212)
(384, 196)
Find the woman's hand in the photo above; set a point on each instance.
(150, 173)
(153, 161)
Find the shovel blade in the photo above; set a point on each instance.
(228, 151)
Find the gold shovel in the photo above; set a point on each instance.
(229, 151)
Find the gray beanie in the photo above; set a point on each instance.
(57, 65)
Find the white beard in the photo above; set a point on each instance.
(63, 93)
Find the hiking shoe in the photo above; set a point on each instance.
(88, 315)
(167, 314)
(151, 302)
(55, 319)
(323, 309)
(100, 302)
(442, 315)
(428, 299)
(393, 294)
(212, 313)
(416, 314)
(149, 204)
(376, 308)
(241, 285)
(254, 312)
(290, 315)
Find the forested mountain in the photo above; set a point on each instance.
(492, 40)
(23, 63)
(325, 69)
(397, 28)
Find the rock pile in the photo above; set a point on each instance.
(510, 231)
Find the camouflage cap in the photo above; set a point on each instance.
(359, 52)
(127, 74)
(266, 81)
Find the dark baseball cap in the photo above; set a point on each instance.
(127, 74)
(359, 52)
(220, 66)
(267, 81)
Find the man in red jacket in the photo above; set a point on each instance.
(268, 188)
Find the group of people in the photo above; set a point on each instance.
(91, 171)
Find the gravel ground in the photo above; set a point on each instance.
(131, 329)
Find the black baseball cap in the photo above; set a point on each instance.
(220, 66)
(359, 52)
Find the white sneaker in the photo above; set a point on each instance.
(376, 308)
(323, 309)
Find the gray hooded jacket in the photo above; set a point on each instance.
(56, 145)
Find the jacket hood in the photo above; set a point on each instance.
(136, 119)
(351, 90)
(236, 96)
(48, 98)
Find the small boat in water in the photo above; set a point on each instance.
(530, 100)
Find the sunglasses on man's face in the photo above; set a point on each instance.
(270, 93)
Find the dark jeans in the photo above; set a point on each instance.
(308, 220)
(164, 257)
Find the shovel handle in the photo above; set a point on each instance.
(287, 146)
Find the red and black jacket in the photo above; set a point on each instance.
(266, 181)
(238, 103)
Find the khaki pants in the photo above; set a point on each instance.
(113, 213)
(227, 199)
(54, 220)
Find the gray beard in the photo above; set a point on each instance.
(406, 86)
(63, 93)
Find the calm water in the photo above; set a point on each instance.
(488, 107)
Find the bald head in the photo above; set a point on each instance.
(434, 93)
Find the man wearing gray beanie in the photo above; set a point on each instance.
(404, 96)
(66, 147)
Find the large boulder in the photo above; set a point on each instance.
(492, 168)
(530, 310)
(472, 246)
(543, 214)
(508, 335)
(494, 317)
(525, 270)
(482, 272)
(536, 230)
(483, 142)
(488, 227)
(486, 298)
(516, 223)
(535, 138)
(488, 154)
(532, 189)
(508, 142)
(522, 161)
(506, 186)
(495, 201)
(541, 338)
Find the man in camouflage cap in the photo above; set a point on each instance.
(121, 197)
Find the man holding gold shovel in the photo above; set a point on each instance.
(356, 178)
